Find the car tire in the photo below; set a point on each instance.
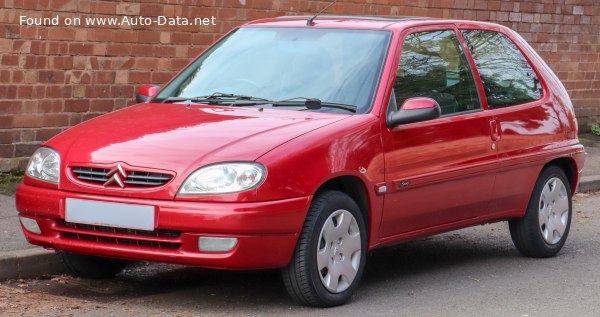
(545, 227)
(329, 258)
(91, 266)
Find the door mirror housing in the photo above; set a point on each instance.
(415, 110)
(146, 92)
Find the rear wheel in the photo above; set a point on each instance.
(91, 266)
(329, 258)
(545, 227)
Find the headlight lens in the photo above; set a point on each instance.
(223, 178)
(44, 165)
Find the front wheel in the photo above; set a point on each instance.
(545, 227)
(329, 258)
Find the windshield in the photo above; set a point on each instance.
(333, 65)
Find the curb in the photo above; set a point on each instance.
(29, 263)
(589, 184)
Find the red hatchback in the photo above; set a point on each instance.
(301, 146)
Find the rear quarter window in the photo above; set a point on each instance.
(507, 77)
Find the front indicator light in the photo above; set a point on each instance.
(216, 244)
(30, 225)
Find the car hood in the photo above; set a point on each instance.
(178, 139)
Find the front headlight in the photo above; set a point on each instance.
(223, 178)
(44, 165)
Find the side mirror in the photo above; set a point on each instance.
(145, 93)
(415, 110)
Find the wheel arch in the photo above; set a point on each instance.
(567, 164)
(354, 187)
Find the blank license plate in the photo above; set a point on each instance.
(109, 214)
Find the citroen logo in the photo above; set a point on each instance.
(116, 175)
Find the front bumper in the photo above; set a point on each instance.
(267, 231)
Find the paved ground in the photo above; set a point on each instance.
(592, 163)
(472, 272)
(10, 230)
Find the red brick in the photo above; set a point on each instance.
(9, 137)
(118, 50)
(148, 36)
(51, 77)
(6, 122)
(81, 49)
(161, 77)
(164, 51)
(27, 136)
(77, 105)
(89, 116)
(28, 121)
(146, 63)
(102, 105)
(7, 150)
(58, 91)
(64, 5)
(10, 60)
(25, 92)
(5, 76)
(181, 38)
(25, 149)
(46, 134)
(60, 33)
(50, 105)
(103, 7)
(151, 9)
(56, 120)
(102, 35)
(125, 36)
(61, 62)
(128, 8)
(75, 118)
(17, 76)
(139, 77)
(7, 107)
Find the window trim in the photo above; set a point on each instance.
(474, 73)
(507, 33)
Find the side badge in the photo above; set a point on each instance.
(403, 184)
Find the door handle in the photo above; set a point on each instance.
(494, 132)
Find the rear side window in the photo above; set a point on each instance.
(507, 77)
(434, 65)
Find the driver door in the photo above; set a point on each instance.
(440, 171)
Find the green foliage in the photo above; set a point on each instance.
(595, 129)
(9, 181)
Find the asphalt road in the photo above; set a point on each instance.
(472, 272)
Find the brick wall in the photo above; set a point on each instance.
(53, 77)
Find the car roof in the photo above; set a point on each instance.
(360, 22)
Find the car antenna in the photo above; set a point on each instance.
(311, 19)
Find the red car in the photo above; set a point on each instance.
(302, 144)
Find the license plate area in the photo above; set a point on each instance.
(109, 214)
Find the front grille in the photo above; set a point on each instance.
(159, 239)
(134, 178)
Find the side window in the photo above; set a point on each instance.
(434, 65)
(507, 77)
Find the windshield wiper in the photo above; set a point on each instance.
(248, 101)
(215, 97)
(313, 104)
(222, 95)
